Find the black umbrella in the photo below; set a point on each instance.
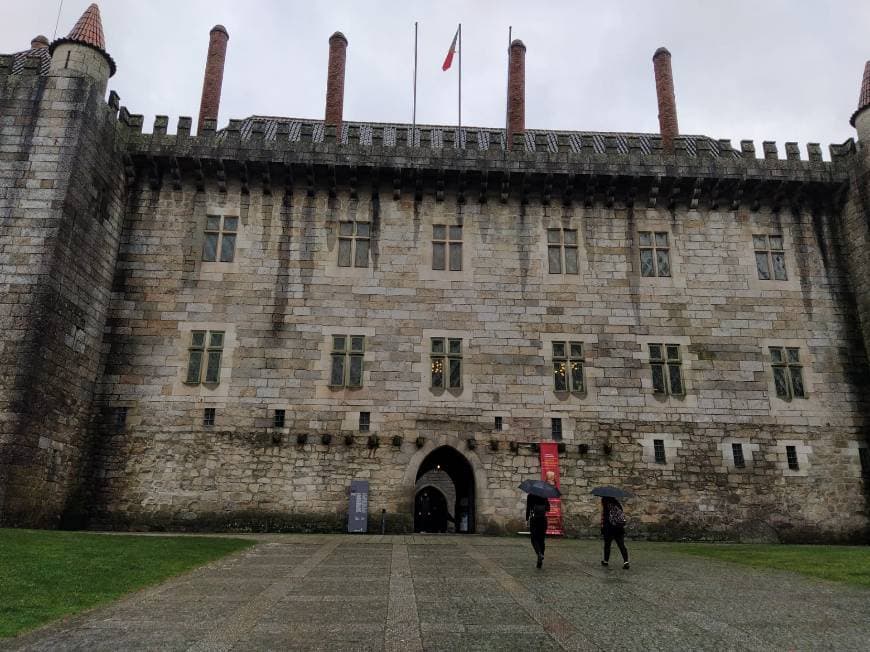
(611, 492)
(540, 488)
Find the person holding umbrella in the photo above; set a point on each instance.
(613, 522)
(537, 506)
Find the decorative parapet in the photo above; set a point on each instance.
(582, 167)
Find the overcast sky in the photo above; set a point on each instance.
(762, 69)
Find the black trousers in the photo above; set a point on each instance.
(538, 528)
(612, 534)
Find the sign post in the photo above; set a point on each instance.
(549, 452)
(358, 509)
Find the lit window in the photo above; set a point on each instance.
(655, 256)
(206, 345)
(446, 362)
(447, 247)
(220, 238)
(568, 367)
(769, 257)
(788, 375)
(353, 244)
(347, 361)
(666, 365)
(562, 251)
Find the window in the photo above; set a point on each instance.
(208, 415)
(659, 451)
(655, 257)
(568, 367)
(556, 429)
(737, 453)
(220, 238)
(769, 257)
(278, 419)
(787, 372)
(364, 421)
(208, 345)
(562, 251)
(447, 247)
(791, 458)
(120, 418)
(667, 375)
(498, 424)
(347, 361)
(353, 244)
(449, 358)
(864, 458)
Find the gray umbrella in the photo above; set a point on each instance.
(540, 488)
(611, 492)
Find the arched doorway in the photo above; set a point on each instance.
(457, 478)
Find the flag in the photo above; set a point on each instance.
(448, 60)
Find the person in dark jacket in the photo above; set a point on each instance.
(536, 514)
(613, 529)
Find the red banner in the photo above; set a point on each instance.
(549, 451)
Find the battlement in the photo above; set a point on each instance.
(573, 166)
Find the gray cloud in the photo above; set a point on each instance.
(774, 70)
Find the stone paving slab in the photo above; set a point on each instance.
(447, 592)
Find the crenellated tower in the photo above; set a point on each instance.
(61, 211)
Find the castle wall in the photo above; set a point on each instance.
(60, 205)
(283, 297)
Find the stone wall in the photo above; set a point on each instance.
(61, 189)
(283, 297)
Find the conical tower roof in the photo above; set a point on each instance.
(864, 95)
(88, 30)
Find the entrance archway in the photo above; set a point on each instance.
(454, 468)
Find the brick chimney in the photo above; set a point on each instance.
(214, 74)
(667, 101)
(861, 118)
(516, 121)
(335, 80)
(39, 42)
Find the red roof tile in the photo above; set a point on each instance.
(89, 28)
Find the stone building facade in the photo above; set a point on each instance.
(222, 330)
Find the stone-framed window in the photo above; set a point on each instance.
(365, 421)
(864, 459)
(791, 458)
(769, 257)
(787, 372)
(347, 355)
(447, 247)
(220, 238)
(666, 366)
(737, 455)
(498, 426)
(278, 418)
(659, 454)
(556, 428)
(207, 346)
(655, 253)
(562, 256)
(208, 416)
(119, 418)
(568, 366)
(445, 356)
(353, 243)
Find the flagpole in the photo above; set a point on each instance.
(414, 112)
(460, 85)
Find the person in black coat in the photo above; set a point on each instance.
(536, 514)
(613, 529)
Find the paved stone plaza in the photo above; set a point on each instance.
(443, 592)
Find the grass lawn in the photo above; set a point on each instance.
(46, 575)
(847, 564)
